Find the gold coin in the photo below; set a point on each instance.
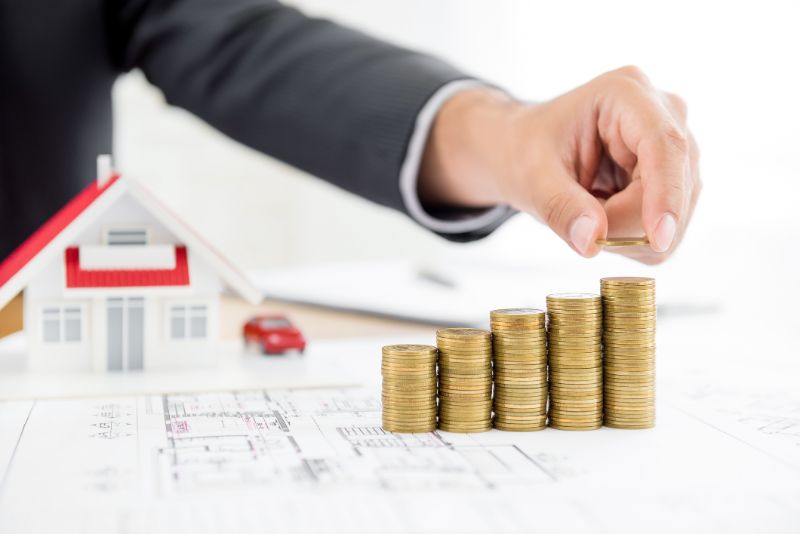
(642, 396)
(538, 378)
(532, 392)
(575, 428)
(409, 404)
(628, 280)
(597, 422)
(532, 350)
(409, 373)
(464, 429)
(575, 386)
(408, 429)
(466, 352)
(573, 395)
(634, 426)
(630, 424)
(506, 427)
(517, 312)
(623, 241)
(465, 407)
(457, 399)
(416, 413)
(462, 370)
(517, 405)
(409, 357)
(463, 334)
(413, 396)
(386, 418)
(631, 417)
(520, 418)
(409, 349)
(520, 401)
(405, 386)
(527, 396)
(589, 375)
(501, 339)
(517, 331)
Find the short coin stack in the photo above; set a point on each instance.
(629, 328)
(520, 369)
(575, 359)
(465, 379)
(409, 388)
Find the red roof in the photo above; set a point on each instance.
(77, 277)
(49, 230)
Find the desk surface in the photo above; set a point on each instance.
(724, 456)
(316, 323)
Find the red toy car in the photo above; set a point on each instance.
(274, 334)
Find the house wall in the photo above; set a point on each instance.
(48, 288)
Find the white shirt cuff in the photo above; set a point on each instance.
(409, 171)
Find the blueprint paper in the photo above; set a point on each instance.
(318, 461)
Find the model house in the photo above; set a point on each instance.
(115, 281)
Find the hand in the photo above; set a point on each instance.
(611, 158)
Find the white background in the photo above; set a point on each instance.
(735, 63)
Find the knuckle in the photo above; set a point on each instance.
(556, 209)
(676, 138)
(678, 104)
(634, 73)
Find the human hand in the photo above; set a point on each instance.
(613, 157)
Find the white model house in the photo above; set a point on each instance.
(115, 281)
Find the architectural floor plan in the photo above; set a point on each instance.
(317, 460)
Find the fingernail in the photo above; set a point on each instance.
(582, 232)
(665, 233)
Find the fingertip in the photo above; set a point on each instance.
(663, 234)
(584, 232)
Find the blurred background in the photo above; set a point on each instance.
(735, 64)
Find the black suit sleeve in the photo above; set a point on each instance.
(326, 99)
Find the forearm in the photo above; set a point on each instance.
(331, 101)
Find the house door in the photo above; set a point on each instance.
(125, 333)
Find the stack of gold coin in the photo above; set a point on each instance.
(520, 369)
(629, 344)
(409, 388)
(465, 379)
(575, 326)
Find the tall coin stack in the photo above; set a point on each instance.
(465, 379)
(409, 388)
(520, 369)
(629, 306)
(575, 360)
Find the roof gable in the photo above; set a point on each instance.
(62, 230)
(46, 233)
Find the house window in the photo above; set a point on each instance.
(61, 323)
(188, 321)
(126, 236)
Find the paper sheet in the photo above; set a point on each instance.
(318, 461)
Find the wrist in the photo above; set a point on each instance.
(465, 152)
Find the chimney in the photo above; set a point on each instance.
(104, 169)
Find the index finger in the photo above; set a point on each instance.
(647, 128)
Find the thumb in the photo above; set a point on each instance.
(572, 212)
